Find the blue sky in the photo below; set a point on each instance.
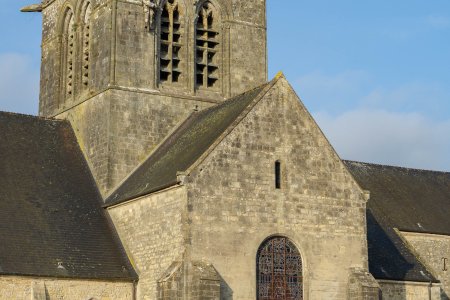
(374, 74)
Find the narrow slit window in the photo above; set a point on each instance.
(278, 175)
(170, 43)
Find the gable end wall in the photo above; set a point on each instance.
(235, 207)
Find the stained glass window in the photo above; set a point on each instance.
(279, 270)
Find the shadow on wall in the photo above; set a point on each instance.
(226, 293)
(444, 295)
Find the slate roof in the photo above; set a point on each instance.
(401, 198)
(183, 148)
(412, 200)
(51, 220)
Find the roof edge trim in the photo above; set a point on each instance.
(140, 196)
(402, 281)
(443, 235)
(67, 277)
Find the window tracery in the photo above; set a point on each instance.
(207, 47)
(279, 270)
(170, 43)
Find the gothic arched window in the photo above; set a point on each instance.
(85, 45)
(279, 270)
(170, 43)
(68, 55)
(207, 47)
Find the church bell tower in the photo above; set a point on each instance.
(126, 72)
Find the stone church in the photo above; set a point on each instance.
(165, 165)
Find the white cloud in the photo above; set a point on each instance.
(357, 89)
(405, 139)
(405, 125)
(439, 22)
(19, 84)
(428, 98)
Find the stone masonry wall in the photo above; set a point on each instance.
(433, 250)
(152, 232)
(247, 73)
(118, 130)
(235, 206)
(394, 290)
(134, 53)
(20, 288)
(91, 121)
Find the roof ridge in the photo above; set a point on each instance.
(395, 167)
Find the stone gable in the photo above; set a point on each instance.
(234, 205)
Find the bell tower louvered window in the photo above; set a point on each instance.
(86, 45)
(170, 43)
(68, 55)
(279, 270)
(207, 47)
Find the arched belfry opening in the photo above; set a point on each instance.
(68, 56)
(279, 270)
(75, 53)
(171, 43)
(85, 44)
(207, 56)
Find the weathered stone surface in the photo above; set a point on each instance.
(20, 288)
(153, 231)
